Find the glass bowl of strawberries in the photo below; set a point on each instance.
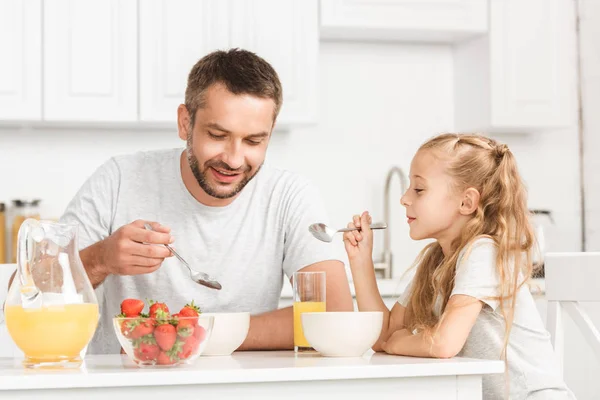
(159, 338)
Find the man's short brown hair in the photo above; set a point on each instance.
(241, 71)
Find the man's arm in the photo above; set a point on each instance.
(131, 250)
(275, 330)
(91, 258)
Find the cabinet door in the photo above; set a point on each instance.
(529, 42)
(90, 60)
(174, 35)
(521, 77)
(403, 20)
(285, 33)
(21, 66)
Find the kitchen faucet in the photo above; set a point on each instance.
(384, 265)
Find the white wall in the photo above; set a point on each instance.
(590, 91)
(377, 103)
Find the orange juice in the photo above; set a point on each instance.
(54, 332)
(299, 308)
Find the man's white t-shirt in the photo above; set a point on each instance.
(249, 246)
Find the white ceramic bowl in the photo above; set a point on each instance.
(342, 334)
(229, 332)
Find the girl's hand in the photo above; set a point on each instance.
(359, 243)
(388, 346)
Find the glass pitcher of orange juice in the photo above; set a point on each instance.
(51, 310)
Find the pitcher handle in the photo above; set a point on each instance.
(28, 233)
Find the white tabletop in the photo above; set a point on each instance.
(242, 367)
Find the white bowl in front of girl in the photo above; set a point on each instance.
(229, 332)
(342, 334)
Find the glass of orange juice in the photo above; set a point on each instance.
(309, 296)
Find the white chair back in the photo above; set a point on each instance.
(572, 278)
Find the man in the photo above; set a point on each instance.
(228, 215)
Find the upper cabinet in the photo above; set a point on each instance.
(175, 35)
(21, 66)
(127, 61)
(444, 21)
(90, 60)
(519, 78)
(286, 34)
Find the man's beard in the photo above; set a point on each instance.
(202, 179)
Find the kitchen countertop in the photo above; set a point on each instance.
(395, 287)
(101, 371)
(387, 288)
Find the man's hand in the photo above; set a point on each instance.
(131, 250)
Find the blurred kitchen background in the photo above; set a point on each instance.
(365, 83)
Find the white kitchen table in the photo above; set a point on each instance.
(260, 375)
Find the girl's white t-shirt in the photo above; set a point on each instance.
(533, 368)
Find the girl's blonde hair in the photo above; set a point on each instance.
(478, 162)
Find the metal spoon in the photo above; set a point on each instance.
(198, 277)
(325, 233)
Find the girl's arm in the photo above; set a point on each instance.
(476, 283)
(368, 298)
(447, 338)
(359, 246)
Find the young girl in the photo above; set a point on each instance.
(469, 295)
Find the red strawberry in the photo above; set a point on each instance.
(131, 307)
(165, 336)
(165, 359)
(190, 310)
(185, 327)
(142, 328)
(199, 333)
(125, 330)
(155, 307)
(190, 346)
(147, 351)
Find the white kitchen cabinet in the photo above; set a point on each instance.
(519, 77)
(21, 66)
(445, 21)
(174, 35)
(286, 34)
(90, 60)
